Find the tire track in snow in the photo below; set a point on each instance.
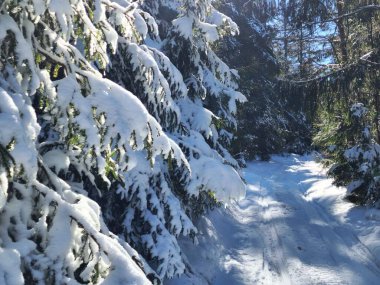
(301, 243)
(273, 256)
(278, 235)
(354, 250)
(327, 268)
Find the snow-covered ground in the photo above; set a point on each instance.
(293, 227)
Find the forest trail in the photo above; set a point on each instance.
(278, 235)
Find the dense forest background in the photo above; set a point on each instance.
(122, 122)
(310, 70)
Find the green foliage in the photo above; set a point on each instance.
(6, 160)
(351, 151)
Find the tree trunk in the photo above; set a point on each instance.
(343, 47)
(286, 43)
(377, 114)
(301, 53)
(342, 32)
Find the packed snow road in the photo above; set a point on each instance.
(280, 235)
(293, 228)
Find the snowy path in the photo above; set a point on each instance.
(280, 236)
(293, 228)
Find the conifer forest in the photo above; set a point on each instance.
(190, 142)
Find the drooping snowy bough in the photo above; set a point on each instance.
(97, 182)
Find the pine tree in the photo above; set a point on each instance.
(203, 88)
(144, 68)
(356, 155)
(90, 166)
(211, 84)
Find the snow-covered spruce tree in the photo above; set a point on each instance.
(358, 167)
(190, 29)
(153, 207)
(211, 83)
(73, 132)
(348, 143)
(50, 233)
(88, 137)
